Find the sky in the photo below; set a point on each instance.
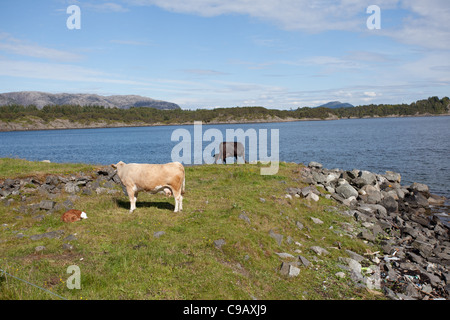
(279, 54)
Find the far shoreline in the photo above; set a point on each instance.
(104, 125)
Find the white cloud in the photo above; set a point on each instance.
(370, 94)
(426, 24)
(12, 45)
(307, 15)
(105, 7)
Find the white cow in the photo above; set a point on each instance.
(153, 178)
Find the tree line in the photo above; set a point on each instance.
(93, 113)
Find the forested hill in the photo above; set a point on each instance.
(41, 99)
(86, 116)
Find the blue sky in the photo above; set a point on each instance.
(278, 54)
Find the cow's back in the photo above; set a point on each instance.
(149, 176)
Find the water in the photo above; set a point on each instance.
(417, 148)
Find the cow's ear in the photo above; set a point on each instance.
(114, 166)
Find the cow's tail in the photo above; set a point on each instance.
(182, 186)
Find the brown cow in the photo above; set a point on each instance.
(230, 149)
(153, 178)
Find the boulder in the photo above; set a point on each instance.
(278, 237)
(71, 187)
(372, 194)
(313, 197)
(420, 187)
(319, 177)
(436, 200)
(47, 204)
(314, 165)
(319, 250)
(346, 191)
(390, 204)
(289, 269)
(392, 176)
(365, 178)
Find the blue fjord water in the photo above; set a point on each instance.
(416, 147)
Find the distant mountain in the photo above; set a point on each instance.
(336, 105)
(41, 99)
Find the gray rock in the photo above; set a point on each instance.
(47, 204)
(425, 248)
(289, 269)
(67, 246)
(5, 193)
(373, 209)
(355, 256)
(52, 180)
(435, 281)
(244, 217)
(284, 255)
(108, 171)
(346, 191)
(319, 177)
(278, 237)
(219, 243)
(366, 235)
(436, 200)
(420, 199)
(39, 217)
(313, 196)
(412, 292)
(390, 204)
(39, 248)
(158, 234)
(373, 282)
(315, 165)
(71, 187)
(70, 237)
(364, 178)
(293, 191)
(304, 192)
(319, 250)
(316, 220)
(420, 187)
(393, 176)
(49, 235)
(304, 261)
(373, 195)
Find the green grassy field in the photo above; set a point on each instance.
(120, 258)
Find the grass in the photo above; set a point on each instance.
(19, 168)
(120, 258)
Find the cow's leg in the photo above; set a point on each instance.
(178, 200)
(132, 196)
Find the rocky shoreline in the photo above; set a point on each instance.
(36, 124)
(414, 260)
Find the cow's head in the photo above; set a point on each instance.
(118, 165)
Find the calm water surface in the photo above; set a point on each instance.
(417, 148)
